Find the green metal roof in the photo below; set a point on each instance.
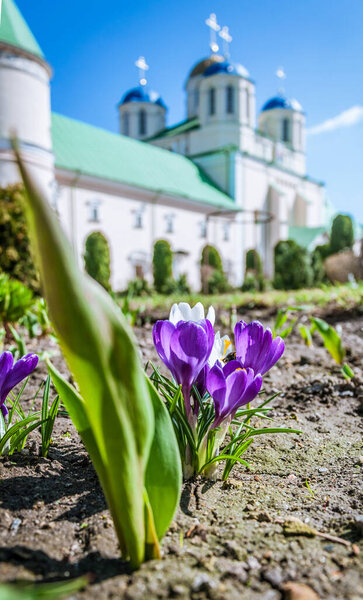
(305, 236)
(15, 31)
(177, 129)
(99, 153)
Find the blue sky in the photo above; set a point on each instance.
(92, 47)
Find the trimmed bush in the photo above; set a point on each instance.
(162, 267)
(214, 280)
(212, 258)
(253, 280)
(15, 251)
(292, 266)
(253, 261)
(342, 234)
(97, 259)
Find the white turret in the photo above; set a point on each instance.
(24, 97)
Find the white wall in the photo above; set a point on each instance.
(117, 219)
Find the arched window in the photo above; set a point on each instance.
(142, 122)
(285, 130)
(125, 124)
(196, 99)
(212, 101)
(230, 99)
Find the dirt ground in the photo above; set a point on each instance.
(228, 541)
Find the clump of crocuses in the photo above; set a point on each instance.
(215, 382)
(12, 373)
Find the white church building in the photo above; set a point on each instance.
(219, 177)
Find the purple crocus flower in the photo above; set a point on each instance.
(184, 348)
(11, 374)
(231, 386)
(256, 348)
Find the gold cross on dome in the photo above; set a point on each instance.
(227, 38)
(211, 22)
(142, 65)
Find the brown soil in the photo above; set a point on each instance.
(228, 541)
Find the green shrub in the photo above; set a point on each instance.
(253, 261)
(292, 266)
(182, 285)
(15, 252)
(211, 257)
(342, 234)
(253, 281)
(218, 283)
(162, 267)
(138, 287)
(15, 300)
(317, 264)
(324, 251)
(97, 259)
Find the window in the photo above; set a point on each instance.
(212, 101)
(230, 99)
(285, 130)
(169, 223)
(138, 217)
(196, 99)
(226, 230)
(94, 211)
(203, 229)
(142, 122)
(125, 124)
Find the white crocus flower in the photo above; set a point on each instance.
(184, 312)
(221, 348)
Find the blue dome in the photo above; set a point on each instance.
(282, 102)
(226, 67)
(139, 94)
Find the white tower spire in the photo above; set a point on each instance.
(142, 65)
(227, 38)
(211, 22)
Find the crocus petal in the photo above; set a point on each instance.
(6, 363)
(221, 348)
(201, 381)
(22, 368)
(249, 394)
(232, 366)
(197, 312)
(276, 351)
(240, 339)
(162, 332)
(257, 349)
(190, 346)
(236, 385)
(216, 386)
(211, 315)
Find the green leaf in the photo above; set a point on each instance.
(103, 357)
(163, 473)
(347, 371)
(305, 334)
(43, 591)
(331, 339)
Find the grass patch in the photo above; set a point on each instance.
(346, 296)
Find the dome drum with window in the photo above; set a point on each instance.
(142, 113)
(283, 120)
(219, 90)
